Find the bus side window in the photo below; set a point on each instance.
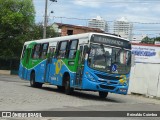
(24, 51)
(81, 55)
(36, 51)
(73, 49)
(62, 48)
(44, 50)
(52, 51)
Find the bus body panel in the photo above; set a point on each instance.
(56, 72)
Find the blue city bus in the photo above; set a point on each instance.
(90, 61)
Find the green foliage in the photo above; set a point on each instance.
(157, 39)
(148, 40)
(16, 21)
(37, 32)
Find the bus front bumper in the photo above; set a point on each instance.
(103, 86)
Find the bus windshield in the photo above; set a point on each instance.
(104, 58)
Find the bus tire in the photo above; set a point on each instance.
(68, 90)
(33, 83)
(39, 85)
(60, 88)
(103, 94)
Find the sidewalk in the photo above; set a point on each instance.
(5, 72)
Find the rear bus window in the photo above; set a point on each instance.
(23, 52)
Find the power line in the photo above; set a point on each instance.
(70, 18)
(86, 19)
(139, 29)
(106, 21)
(135, 1)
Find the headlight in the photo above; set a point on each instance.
(90, 77)
(122, 82)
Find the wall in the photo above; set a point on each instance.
(145, 75)
(145, 79)
(76, 30)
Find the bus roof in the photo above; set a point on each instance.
(70, 37)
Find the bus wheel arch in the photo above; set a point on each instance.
(66, 83)
(33, 83)
(32, 78)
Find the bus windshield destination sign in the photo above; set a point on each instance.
(111, 41)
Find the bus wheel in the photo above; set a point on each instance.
(60, 88)
(103, 94)
(39, 85)
(33, 83)
(68, 90)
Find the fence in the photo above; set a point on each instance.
(10, 64)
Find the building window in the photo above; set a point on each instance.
(69, 32)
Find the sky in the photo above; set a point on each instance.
(144, 14)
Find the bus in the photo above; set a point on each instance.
(90, 61)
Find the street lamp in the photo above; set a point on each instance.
(45, 18)
(49, 16)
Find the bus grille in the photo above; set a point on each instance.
(107, 87)
(108, 77)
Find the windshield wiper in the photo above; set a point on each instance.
(118, 53)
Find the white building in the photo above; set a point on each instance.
(123, 28)
(98, 22)
(138, 38)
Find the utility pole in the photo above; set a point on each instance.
(46, 18)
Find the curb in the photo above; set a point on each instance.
(5, 72)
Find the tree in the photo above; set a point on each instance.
(37, 32)
(157, 39)
(17, 18)
(148, 40)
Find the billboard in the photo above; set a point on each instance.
(146, 54)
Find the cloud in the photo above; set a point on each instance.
(155, 8)
(113, 3)
(87, 3)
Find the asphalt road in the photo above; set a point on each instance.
(17, 95)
